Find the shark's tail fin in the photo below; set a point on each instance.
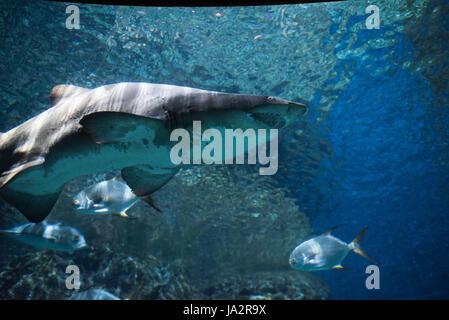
(355, 246)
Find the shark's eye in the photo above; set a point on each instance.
(76, 238)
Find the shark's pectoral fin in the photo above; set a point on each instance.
(144, 180)
(148, 199)
(34, 207)
(10, 174)
(108, 127)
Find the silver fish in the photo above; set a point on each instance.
(94, 294)
(110, 197)
(325, 252)
(48, 236)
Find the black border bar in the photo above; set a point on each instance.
(194, 3)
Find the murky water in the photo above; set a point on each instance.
(371, 151)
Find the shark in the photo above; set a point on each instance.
(124, 126)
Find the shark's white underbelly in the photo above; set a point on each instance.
(89, 159)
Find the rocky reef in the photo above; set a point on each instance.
(225, 233)
(280, 285)
(42, 275)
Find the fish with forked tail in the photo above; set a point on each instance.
(325, 252)
(44, 235)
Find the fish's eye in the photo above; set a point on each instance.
(76, 238)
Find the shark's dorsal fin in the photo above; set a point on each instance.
(331, 229)
(64, 90)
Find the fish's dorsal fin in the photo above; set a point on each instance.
(355, 246)
(340, 267)
(331, 229)
(117, 177)
(64, 90)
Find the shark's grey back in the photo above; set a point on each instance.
(27, 145)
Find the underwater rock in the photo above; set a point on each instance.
(224, 233)
(42, 275)
(225, 219)
(215, 220)
(288, 285)
(94, 294)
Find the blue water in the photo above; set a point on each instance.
(390, 132)
(391, 180)
(372, 151)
